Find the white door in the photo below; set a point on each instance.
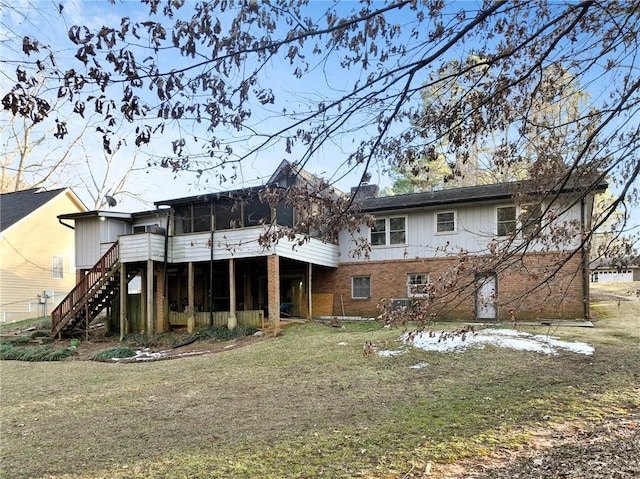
(486, 297)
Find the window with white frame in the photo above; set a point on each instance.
(530, 218)
(418, 284)
(506, 220)
(446, 222)
(379, 233)
(389, 231)
(57, 267)
(361, 287)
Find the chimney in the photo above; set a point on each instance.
(365, 191)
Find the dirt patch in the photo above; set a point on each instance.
(610, 450)
(87, 349)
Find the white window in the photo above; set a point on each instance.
(57, 267)
(506, 220)
(418, 284)
(379, 233)
(530, 218)
(526, 217)
(389, 231)
(361, 287)
(446, 222)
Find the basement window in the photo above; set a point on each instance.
(361, 287)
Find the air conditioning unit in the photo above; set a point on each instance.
(397, 303)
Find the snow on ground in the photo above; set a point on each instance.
(448, 342)
(148, 355)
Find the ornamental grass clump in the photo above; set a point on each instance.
(38, 353)
(114, 353)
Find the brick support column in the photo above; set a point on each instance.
(161, 303)
(273, 291)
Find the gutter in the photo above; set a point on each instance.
(65, 224)
(585, 261)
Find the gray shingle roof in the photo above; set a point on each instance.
(468, 194)
(19, 204)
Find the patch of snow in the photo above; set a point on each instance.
(144, 355)
(446, 342)
(389, 353)
(419, 365)
(192, 353)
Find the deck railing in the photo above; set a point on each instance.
(64, 311)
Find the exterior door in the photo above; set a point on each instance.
(486, 289)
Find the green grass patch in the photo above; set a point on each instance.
(307, 403)
(39, 323)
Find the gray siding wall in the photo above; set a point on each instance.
(476, 229)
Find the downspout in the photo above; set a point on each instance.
(585, 261)
(213, 220)
(65, 224)
(165, 277)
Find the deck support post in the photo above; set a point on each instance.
(191, 320)
(232, 321)
(309, 289)
(149, 298)
(123, 301)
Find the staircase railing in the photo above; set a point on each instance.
(62, 313)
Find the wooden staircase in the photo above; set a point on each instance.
(95, 291)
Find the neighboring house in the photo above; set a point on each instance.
(37, 267)
(203, 259)
(603, 271)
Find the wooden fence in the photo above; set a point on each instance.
(252, 318)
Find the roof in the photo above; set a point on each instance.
(208, 197)
(468, 194)
(20, 204)
(94, 213)
(284, 169)
(628, 262)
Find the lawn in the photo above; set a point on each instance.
(310, 403)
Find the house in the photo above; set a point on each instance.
(37, 267)
(606, 271)
(467, 252)
(219, 258)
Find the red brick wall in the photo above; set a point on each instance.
(560, 297)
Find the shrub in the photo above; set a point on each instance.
(119, 352)
(222, 333)
(37, 353)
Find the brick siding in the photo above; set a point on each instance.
(560, 297)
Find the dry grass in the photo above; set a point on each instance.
(304, 405)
